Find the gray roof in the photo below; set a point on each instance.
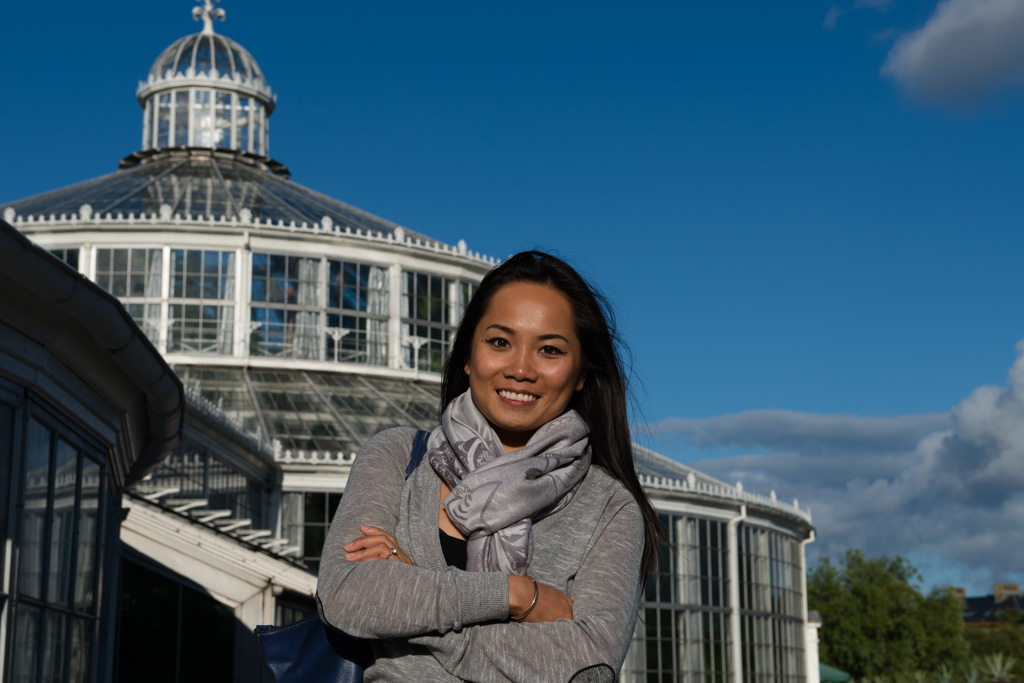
(654, 464)
(310, 411)
(202, 183)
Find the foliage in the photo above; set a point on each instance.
(1006, 639)
(989, 669)
(876, 623)
(998, 667)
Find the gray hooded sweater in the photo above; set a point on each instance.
(432, 622)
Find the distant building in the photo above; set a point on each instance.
(298, 326)
(987, 610)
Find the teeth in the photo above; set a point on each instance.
(513, 396)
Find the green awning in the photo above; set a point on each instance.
(830, 674)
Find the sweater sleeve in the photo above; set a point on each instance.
(589, 647)
(383, 598)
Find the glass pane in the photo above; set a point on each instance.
(88, 538)
(222, 124)
(333, 499)
(202, 60)
(54, 647)
(6, 446)
(26, 643)
(315, 508)
(63, 522)
(81, 646)
(313, 541)
(181, 118)
(33, 516)
(222, 59)
(163, 130)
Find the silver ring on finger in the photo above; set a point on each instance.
(393, 551)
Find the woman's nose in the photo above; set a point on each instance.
(520, 367)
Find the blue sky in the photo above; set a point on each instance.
(808, 214)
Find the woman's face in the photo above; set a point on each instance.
(524, 362)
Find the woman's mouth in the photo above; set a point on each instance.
(515, 396)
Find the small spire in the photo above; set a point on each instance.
(208, 13)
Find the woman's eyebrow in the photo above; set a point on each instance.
(509, 330)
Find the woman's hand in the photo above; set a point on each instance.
(552, 604)
(375, 544)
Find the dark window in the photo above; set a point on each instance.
(55, 612)
(170, 632)
(307, 517)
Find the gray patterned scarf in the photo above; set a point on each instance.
(496, 496)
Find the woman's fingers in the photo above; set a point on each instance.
(376, 544)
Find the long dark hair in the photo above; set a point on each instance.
(602, 402)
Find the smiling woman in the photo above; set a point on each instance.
(519, 553)
(524, 363)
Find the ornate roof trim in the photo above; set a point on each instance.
(245, 221)
(724, 492)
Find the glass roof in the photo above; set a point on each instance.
(210, 54)
(655, 464)
(315, 411)
(199, 185)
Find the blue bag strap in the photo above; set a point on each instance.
(419, 447)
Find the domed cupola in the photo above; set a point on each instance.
(206, 91)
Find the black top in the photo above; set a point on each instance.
(454, 550)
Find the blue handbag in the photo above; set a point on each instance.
(308, 651)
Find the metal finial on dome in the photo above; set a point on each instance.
(208, 13)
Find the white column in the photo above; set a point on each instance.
(233, 144)
(325, 297)
(165, 305)
(395, 316)
(243, 287)
(812, 673)
(146, 123)
(87, 260)
(736, 651)
(191, 113)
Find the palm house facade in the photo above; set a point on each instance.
(296, 327)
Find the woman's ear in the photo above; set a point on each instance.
(580, 382)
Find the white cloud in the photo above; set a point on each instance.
(784, 429)
(950, 487)
(967, 49)
(832, 17)
(836, 11)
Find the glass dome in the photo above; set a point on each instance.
(206, 90)
(212, 55)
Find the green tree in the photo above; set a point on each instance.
(875, 621)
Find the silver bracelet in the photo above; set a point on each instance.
(536, 592)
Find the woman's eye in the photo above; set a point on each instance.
(499, 342)
(552, 350)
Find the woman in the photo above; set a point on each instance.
(530, 476)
